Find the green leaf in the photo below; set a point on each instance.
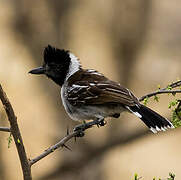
(173, 103)
(10, 139)
(136, 176)
(156, 98)
(169, 87)
(176, 115)
(145, 101)
(176, 121)
(172, 176)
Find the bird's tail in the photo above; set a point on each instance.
(152, 119)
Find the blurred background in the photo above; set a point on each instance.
(135, 42)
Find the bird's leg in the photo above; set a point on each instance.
(82, 127)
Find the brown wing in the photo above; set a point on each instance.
(92, 88)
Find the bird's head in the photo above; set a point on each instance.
(56, 65)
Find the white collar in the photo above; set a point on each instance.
(74, 65)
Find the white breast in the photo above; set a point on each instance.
(63, 96)
(71, 110)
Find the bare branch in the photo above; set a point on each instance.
(5, 129)
(16, 135)
(61, 143)
(72, 165)
(51, 149)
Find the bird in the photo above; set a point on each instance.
(87, 94)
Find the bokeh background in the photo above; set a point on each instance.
(135, 42)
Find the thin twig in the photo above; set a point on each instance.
(164, 90)
(51, 149)
(5, 129)
(159, 92)
(71, 165)
(16, 135)
(61, 143)
(173, 85)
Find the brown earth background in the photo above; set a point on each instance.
(135, 42)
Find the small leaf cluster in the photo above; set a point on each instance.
(176, 115)
(146, 100)
(136, 177)
(173, 103)
(171, 177)
(169, 88)
(156, 98)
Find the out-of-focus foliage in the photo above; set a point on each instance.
(171, 177)
(176, 113)
(134, 42)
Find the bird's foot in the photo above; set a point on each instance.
(82, 127)
(101, 122)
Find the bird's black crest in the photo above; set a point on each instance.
(55, 55)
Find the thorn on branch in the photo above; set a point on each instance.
(65, 146)
(78, 131)
(68, 131)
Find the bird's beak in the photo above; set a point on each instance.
(39, 70)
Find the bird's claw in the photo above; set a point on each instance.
(80, 130)
(82, 127)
